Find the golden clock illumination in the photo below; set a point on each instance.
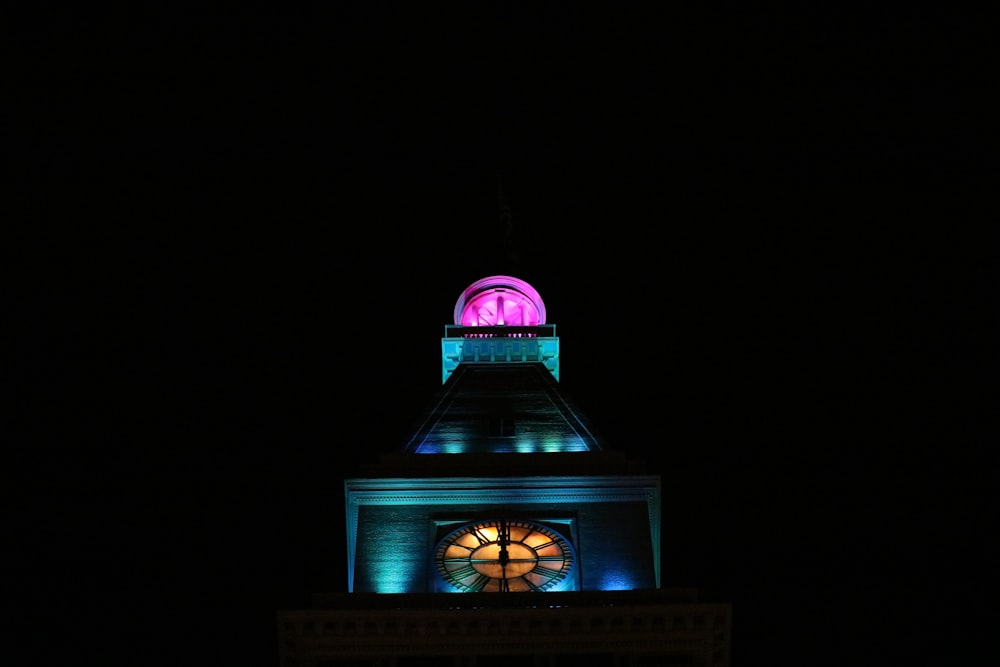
(504, 556)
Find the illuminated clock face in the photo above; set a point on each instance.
(504, 556)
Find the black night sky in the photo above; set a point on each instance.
(241, 228)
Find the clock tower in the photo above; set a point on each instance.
(505, 528)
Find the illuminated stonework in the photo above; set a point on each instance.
(504, 485)
(499, 301)
(636, 628)
(388, 516)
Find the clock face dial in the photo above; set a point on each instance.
(504, 556)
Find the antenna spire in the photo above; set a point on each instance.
(507, 223)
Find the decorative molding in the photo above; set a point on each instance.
(525, 482)
(494, 491)
(446, 498)
(701, 629)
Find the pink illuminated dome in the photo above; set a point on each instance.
(499, 301)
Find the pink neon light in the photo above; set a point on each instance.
(499, 301)
(493, 335)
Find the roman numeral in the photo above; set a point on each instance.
(551, 559)
(478, 583)
(462, 572)
(529, 584)
(545, 572)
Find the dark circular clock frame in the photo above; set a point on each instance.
(505, 556)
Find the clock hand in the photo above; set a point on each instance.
(503, 539)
